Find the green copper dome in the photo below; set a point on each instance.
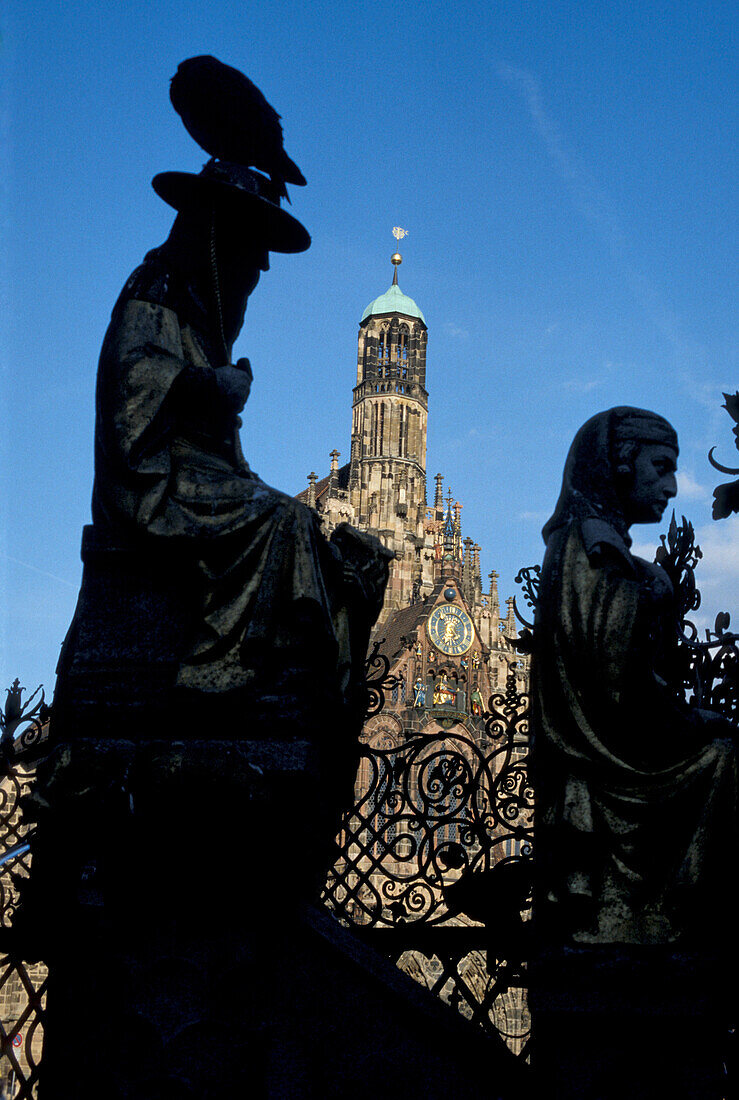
(393, 301)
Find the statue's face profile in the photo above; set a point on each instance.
(652, 484)
(240, 264)
(239, 258)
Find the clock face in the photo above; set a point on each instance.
(450, 629)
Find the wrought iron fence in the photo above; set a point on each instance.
(433, 858)
(24, 733)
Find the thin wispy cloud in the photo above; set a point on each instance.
(534, 517)
(708, 395)
(596, 205)
(34, 569)
(456, 331)
(719, 542)
(582, 385)
(689, 488)
(591, 199)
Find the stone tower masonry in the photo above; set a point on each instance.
(387, 470)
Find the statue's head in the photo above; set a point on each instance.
(229, 216)
(228, 222)
(644, 459)
(621, 468)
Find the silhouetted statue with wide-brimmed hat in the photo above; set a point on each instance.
(271, 592)
(211, 687)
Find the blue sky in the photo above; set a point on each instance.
(567, 176)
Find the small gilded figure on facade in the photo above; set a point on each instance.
(419, 693)
(636, 792)
(476, 700)
(444, 696)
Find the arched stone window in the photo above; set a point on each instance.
(383, 347)
(403, 341)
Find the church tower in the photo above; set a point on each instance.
(382, 490)
(387, 469)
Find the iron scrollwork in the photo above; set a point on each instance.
(530, 580)
(431, 809)
(24, 728)
(24, 739)
(435, 857)
(378, 680)
(726, 496)
(703, 673)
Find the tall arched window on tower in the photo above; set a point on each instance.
(401, 432)
(382, 428)
(383, 352)
(369, 363)
(403, 352)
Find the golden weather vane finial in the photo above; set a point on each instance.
(396, 258)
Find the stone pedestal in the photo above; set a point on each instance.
(167, 882)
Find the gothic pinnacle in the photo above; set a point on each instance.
(312, 479)
(439, 496)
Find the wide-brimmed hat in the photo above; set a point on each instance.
(242, 194)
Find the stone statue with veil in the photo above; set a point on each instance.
(636, 791)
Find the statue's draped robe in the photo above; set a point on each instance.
(636, 792)
(169, 470)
